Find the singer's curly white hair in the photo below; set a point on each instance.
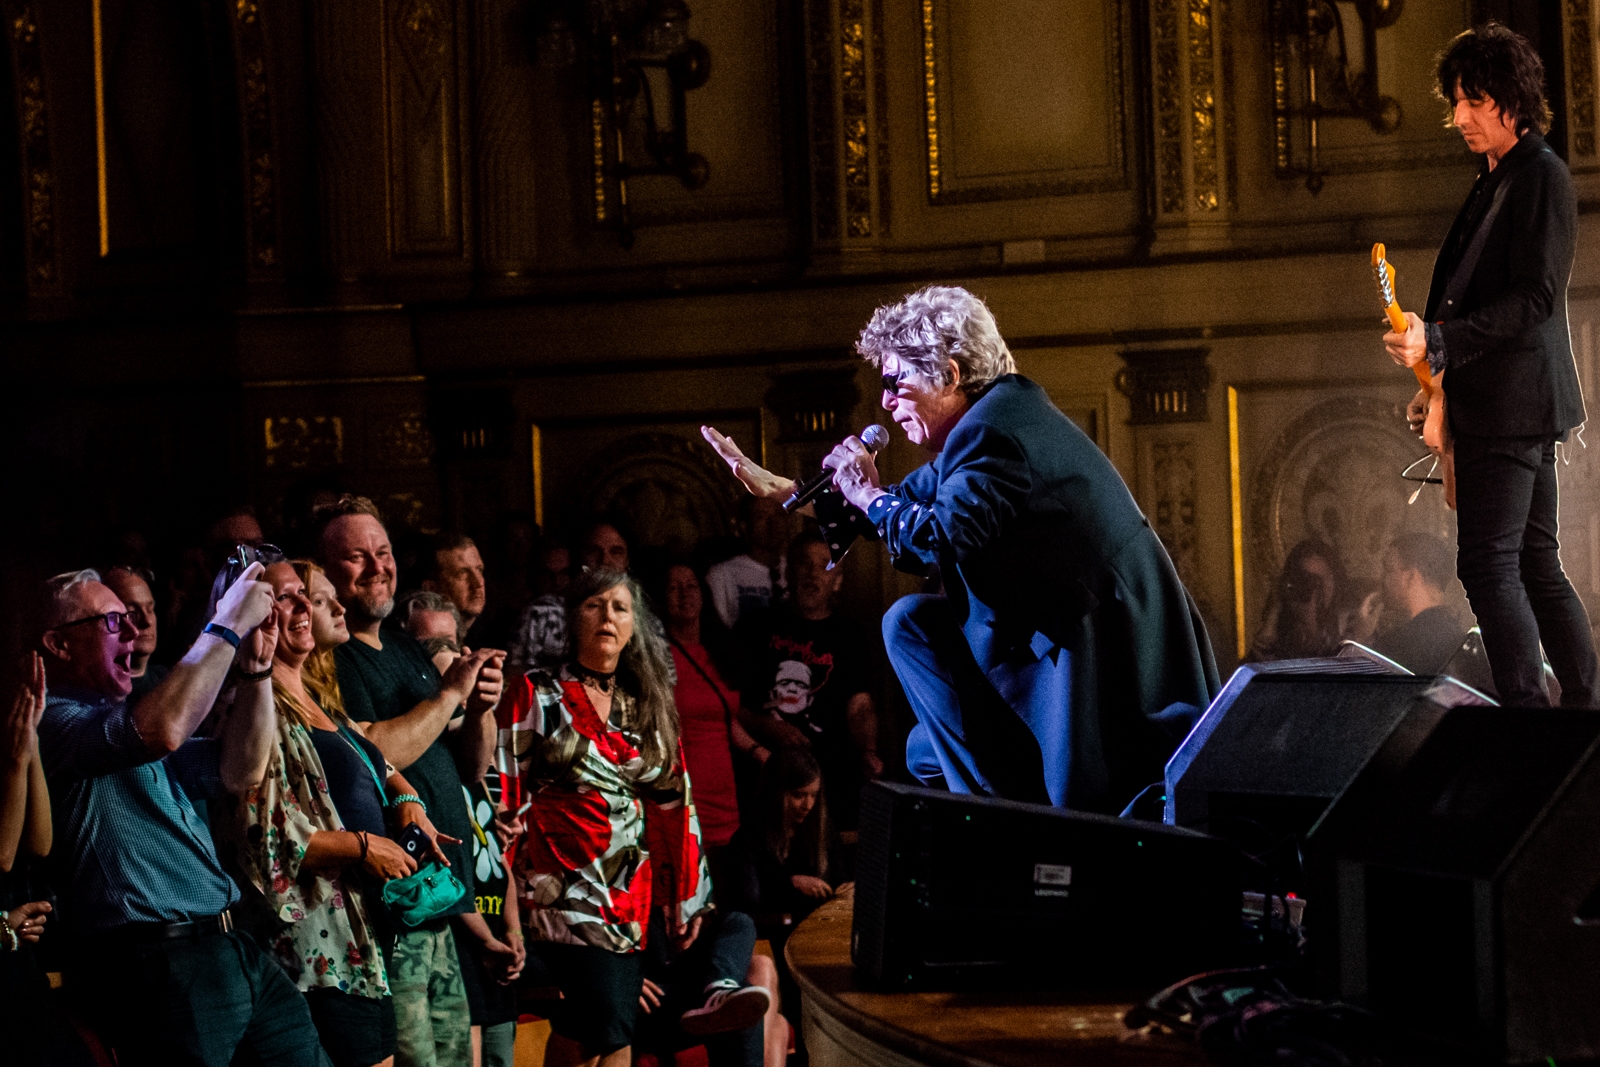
(934, 325)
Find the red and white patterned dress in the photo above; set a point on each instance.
(607, 837)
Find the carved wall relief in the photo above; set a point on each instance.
(1578, 25)
(669, 489)
(425, 159)
(302, 442)
(848, 141)
(1192, 64)
(256, 137)
(41, 249)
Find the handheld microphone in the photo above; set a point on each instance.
(873, 437)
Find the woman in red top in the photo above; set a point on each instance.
(707, 712)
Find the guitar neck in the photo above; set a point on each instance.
(1423, 377)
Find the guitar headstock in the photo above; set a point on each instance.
(1383, 273)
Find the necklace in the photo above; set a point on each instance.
(601, 682)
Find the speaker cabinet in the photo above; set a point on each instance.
(958, 892)
(1456, 882)
(1278, 744)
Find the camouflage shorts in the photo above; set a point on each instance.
(432, 1023)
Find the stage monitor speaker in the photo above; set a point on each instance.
(1455, 884)
(1279, 743)
(957, 892)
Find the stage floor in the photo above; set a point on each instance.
(846, 1026)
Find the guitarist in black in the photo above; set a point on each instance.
(1496, 326)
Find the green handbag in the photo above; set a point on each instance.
(427, 894)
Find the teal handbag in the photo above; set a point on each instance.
(430, 892)
(426, 894)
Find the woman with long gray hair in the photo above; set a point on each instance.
(612, 841)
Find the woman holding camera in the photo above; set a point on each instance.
(313, 838)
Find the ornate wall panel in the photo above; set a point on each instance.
(1579, 26)
(503, 137)
(346, 50)
(426, 157)
(849, 114)
(256, 137)
(1325, 464)
(40, 195)
(1013, 115)
(1192, 66)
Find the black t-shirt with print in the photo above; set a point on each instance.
(807, 671)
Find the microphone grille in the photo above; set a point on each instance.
(874, 437)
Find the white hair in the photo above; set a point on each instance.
(55, 605)
(931, 327)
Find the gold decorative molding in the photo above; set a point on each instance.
(1203, 103)
(824, 130)
(255, 107)
(401, 438)
(943, 184)
(597, 127)
(41, 249)
(102, 177)
(426, 160)
(302, 442)
(855, 115)
(1169, 104)
(1577, 17)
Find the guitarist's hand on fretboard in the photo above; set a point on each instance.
(1409, 348)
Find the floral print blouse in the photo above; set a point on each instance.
(329, 942)
(605, 839)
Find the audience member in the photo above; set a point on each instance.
(604, 547)
(541, 641)
(133, 587)
(389, 682)
(711, 731)
(1417, 570)
(313, 839)
(161, 969)
(436, 624)
(236, 527)
(613, 834)
(776, 867)
(809, 672)
(35, 1033)
(455, 569)
(488, 939)
(1302, 617)
(1360, 609)
(756, 578)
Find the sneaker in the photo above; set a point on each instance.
(726, 1010)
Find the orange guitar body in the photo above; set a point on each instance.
(1435, 428)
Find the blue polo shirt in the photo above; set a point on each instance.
(135, 848)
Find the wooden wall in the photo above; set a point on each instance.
(243, 242)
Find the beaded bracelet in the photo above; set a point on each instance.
(409, 798)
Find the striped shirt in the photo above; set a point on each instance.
(136, 849)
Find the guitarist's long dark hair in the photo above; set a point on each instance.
(1498, 63)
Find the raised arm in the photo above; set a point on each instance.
(24, 801)
(249, 734)
(174, 709)
(754, 477)
(404, 738)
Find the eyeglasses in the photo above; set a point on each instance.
(891, 382)
(113, 621)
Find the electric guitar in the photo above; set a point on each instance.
(1435, 430)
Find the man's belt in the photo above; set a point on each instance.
(194, 930)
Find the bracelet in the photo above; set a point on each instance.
(253, 676)
(219, 630)
(361, 836)
(408, 798)
(9, 941)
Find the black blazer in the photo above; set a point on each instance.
(1508, 352)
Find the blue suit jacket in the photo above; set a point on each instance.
(1041, 547)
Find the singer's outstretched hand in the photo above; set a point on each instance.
(855, 472)
(756, 478)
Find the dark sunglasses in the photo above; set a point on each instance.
(891, 382)
(113, 621)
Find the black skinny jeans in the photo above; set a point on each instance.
(1507, 557)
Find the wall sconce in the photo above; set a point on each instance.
(1314, 78)
(641, 63)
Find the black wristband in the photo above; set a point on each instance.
(222, 632)
(253, 676)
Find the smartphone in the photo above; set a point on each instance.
(243, 555)
(415, 842)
